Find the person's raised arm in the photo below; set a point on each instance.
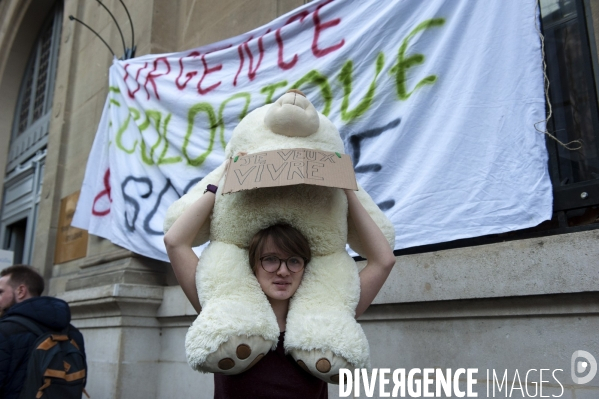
(379, 254)
(178, 241)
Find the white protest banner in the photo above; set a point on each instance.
(435, 100)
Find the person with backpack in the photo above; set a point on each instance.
(41, 354)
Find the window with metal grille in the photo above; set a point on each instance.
(573, 94)
(32, 116)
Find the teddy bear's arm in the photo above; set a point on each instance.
(179, 206)
(379, 218)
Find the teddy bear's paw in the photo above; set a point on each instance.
(238, 354)
(322, 364)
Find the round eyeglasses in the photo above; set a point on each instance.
(272, 263)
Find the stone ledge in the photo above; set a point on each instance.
(135, 270)
(175, 304)
(558, 264)
(119, 254)
(124, 304)
(566, 305)
(176, 321)
(116, 290)
(117, 322)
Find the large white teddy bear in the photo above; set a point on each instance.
(237, 325)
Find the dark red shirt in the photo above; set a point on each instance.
(276, 376)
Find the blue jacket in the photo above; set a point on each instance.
(16, 341)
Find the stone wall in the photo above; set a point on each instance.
(494, 307)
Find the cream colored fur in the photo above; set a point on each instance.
(321, 319)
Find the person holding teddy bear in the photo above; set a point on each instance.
(278, 257)
(286, 237)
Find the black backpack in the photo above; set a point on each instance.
(56, 367)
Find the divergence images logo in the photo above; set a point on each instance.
(580, 366)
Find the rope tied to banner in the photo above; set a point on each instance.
(573, 145)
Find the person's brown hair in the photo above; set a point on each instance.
(286, 238)
(26, 275)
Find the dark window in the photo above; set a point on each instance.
(570, 53)
(15, 240)
(35, 98)
(32, 116)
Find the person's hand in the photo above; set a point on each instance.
(224, 175)
(239, 154)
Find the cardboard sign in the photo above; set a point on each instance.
(71, 242)
(290, 167)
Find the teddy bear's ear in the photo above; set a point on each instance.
(379, 218)
(178, 207)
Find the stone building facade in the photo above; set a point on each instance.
(515, 302)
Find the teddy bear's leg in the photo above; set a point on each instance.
(236, 326)
(322, 333)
